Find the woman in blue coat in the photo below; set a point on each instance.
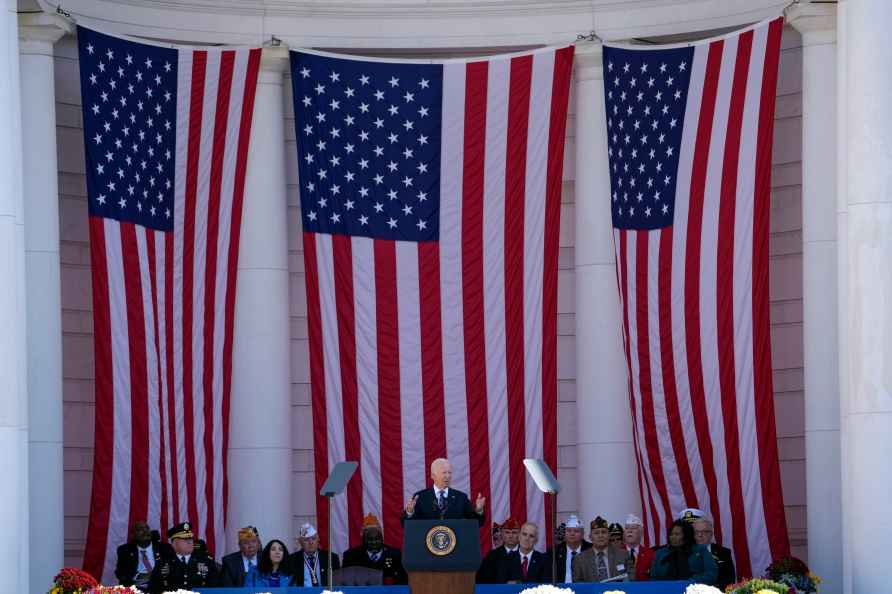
(273, 569)
(683, 559)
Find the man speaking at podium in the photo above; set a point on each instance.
(441, 501)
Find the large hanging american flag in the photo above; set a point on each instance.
(430, 199)
(166, 134)
(689, 139)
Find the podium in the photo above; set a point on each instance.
(441, 556)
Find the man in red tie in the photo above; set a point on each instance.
(137, 558)
(527, 565)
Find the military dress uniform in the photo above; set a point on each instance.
(176, 573)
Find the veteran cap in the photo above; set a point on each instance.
(572, 522)
(181, 530)
(598, 522)
(690, 514)
(370, 521)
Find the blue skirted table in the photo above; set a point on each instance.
(627, 587)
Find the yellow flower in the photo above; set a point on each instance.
(765, 591)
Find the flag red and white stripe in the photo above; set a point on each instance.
(695, 312)
(420, 350)
(163, 304)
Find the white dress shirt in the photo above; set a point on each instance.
(249, 562)
(308, 579)
(141, 567)
(570, 557)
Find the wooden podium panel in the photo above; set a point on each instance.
(442, 582)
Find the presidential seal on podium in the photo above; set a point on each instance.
(441, 540)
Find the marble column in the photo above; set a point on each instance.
(868, 321)
(842, 233)
(38, 32)
(260, 466)
(817, 23)
(605, 454)
(14, 547)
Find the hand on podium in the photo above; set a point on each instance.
(478, 505)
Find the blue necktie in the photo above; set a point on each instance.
(441, 501)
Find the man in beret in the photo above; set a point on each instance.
(137, 558)
(496, 535)
(309, 565)
(238, 565)
(374, 554)
(602, 561)
(495, 563)
(703, 535)
(567, 551)
(616, 534)
(187, 568)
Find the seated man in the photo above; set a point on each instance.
(374, 554)
(240, 568)
(602, 561)
(638, 557)
(441, 501)
(492, 566)
(616, 535)
(721, 555)
(186, 568)
(137, 558)
(527, 565)
(309, 565)
(567, 551)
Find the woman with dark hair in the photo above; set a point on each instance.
(682, 558)
(273, 567)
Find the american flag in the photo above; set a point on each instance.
(430, 202)
(689, 141)
(166, 135)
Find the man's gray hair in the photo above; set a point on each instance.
(534, 525)
(438, 462)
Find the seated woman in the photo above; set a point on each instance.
(273, 571)
(683, 559)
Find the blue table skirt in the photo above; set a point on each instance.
(627, 587)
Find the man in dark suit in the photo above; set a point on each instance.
(491, 569)
(567, 551)
(239, 564)
(187, 568)
(309, 565)
(721, 555)
(441, 501)
(374, 554)
(527, 565)
(137, 558)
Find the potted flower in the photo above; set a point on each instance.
(794, 573)
(758, 586)
(72, 580)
